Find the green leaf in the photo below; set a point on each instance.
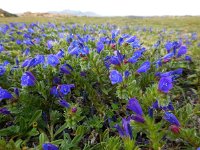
(76, 139)
(12, 130)
(42, 138)
(60, 129)
(35, 117)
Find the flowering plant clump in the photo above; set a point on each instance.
(68, 86)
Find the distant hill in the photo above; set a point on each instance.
(4, 13)
(74, 13)
(38, 14)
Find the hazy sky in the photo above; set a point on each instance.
(107, 7)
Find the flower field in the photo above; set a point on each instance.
(98, 86)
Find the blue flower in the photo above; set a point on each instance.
(26, 52)
(117, 59)
(64, 103)
(64, 70)
(39, 59)
(2, 70)
(5, 63)
(26, 62)
(115, 77)
(178, 71)
(126, 73)
(60, 54)
(136, 43)
(182, 50)
(1, 48)
(155, 105)
(18, 42)
(54, 91)
(134, 105)
(188, 58)
(169, 46)
(168, 57)
(49, 44)
(144, 67)
(99, 46)
(131, 39)
(4, 94)
(64, 89)
(49, 146)
(53, 60)
(16, 91)
(171, 118)
(120, 41)
(170, 106)
(165, 84)
(28, 79)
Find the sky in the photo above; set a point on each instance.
(107, 7)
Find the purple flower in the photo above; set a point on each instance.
(170, 106)
(28, 79)
(2, 70)
(74, 109)
(99, 46)
(115, 77)
(134, 105)
(165, 84)
(150, 112)
(83, 73)
(16, 91)
(144, 67)
(182, 50)
(4, 94)
(171, 118)
(49, 146)
(56, 80)
(138, 118)
(126, 128)
(4, 111)
(64, 103)
(53, 60)
(155, 105)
